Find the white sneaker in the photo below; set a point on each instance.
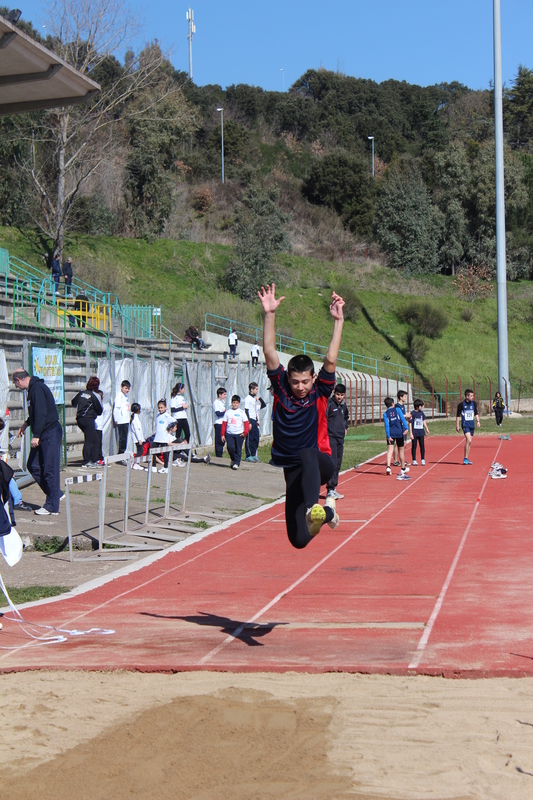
(405, 469)
(415, 463)
(43, 512)
(163, 471)
(179, 463)
(330, 503)
(389, 471)
(154, 469)
(138, 466)
(423, 463)
(235, 466)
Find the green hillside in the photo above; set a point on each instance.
(184, 279)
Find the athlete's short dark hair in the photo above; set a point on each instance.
(418, 403)
(469, 391)
(221, 391)
(252, 385)
(125, 383)
(235, 399)
(300, 363)
(401, 393)
(340, 388)
(163, 401)
(389, 402)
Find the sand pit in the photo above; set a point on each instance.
(252, 736)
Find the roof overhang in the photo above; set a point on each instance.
(32, 77)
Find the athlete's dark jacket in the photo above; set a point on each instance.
(338, 418)
(87, 405)
(42, 411)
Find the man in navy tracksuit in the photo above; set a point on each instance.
(338, 421)
(395, 427)
(47, 435)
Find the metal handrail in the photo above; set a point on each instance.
(288, 344)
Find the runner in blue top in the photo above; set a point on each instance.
(395, 429)
(419, 428)
(300, 432)
(402, 398)
(467, 416)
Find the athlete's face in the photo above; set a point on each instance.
(235, 404)
(161, 407)
(340, 396)
(253, 392)
(469, 396)
(301, 383)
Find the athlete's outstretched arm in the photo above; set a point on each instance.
(337, 313)
(270, 304)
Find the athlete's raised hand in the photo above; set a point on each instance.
(268, 298)
(336, 305)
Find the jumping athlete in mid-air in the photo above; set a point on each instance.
(300, 442)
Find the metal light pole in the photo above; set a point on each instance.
(501, 259)
(371, 137)
(222, 138)
(283, 77)
(192, 31)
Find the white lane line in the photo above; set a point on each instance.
(235, 635)
(422, 644)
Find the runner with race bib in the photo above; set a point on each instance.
(419, 429)
(467, 417)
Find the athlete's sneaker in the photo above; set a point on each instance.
(235, 466)
(154, 469)
(250, 458)
(422, 462)
(43, 512)
(207, 459)
(257, 460)
(405, 469)
(330, 503)
(403, 477)
(415, 463)
(467, 462)
(335, 495)
(388, 471)
(395, 463)
(497, 475)
(138, 466)
(315, 518)
(163, 471)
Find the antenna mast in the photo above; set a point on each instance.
(192, 31)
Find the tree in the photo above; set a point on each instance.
(451, 175)
(473, 282)
(64, 147)
(258, 234)
(519, 109)
(406, 222)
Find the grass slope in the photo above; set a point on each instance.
(184, 279)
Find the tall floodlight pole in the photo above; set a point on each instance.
(371, 137)
(222, 140)
(501, 260)
(283, 78)
(192, 31)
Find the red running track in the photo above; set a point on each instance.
(431, 576)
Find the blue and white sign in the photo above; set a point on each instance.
(48, 365)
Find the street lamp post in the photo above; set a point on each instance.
(222, 138)
(283, 78)
(371, 137)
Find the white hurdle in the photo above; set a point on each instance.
(97, 476)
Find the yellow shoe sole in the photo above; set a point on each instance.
(315, 518)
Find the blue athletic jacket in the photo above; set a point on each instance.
(395, 423)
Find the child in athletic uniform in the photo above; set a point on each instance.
(219, 409)
(235, 427)
(137, 434)
(252, 406)
(467, 416)
(401, 400)
(300, 436)
(338, 421)
(418, 428)
(255, 353)
(395, 428)
(162, 437)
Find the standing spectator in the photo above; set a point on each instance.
(162, 435)
(235, 427)
(56, 272)
(219, 409)
(99, 425)
(47, 435)
(232, 343)
(338, 420)
(88, 408)
(67, 274)
(252, 406)
(255, 352)
(499, 407)
(122, 415)
(137, 434)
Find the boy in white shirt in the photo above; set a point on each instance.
(219, 409)
(252, 405)
(122, 415)
(232, 343)
(162, 436)
(255, 352)
(235, 427)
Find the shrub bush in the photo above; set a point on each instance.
(467, 314)
(418, 346)
(425, 318)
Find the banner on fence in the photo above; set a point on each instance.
(47, 363)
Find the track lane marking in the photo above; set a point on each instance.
(422, 644)
(235, 635)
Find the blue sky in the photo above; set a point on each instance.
(419, 41)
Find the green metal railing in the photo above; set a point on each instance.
(287, 344)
